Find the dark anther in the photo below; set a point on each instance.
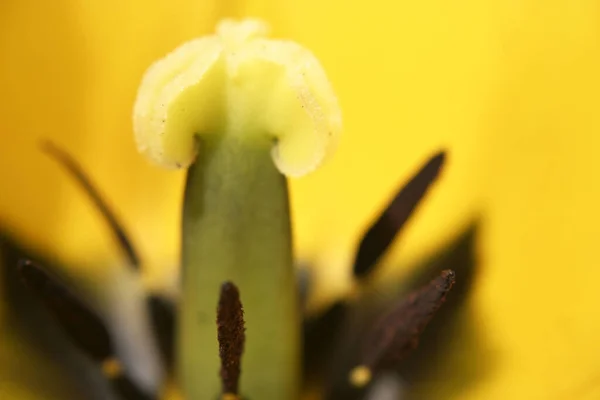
(383, 232)
(397, 332)
(231, 336)
(82, 324)
(84, 327)
(115, 225)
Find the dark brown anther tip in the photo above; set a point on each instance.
(437, 161)
(381, 234)
(397, 332)
(448, 278)
(231, 336)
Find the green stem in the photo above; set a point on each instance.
(236, 226)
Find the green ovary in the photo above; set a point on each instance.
(236, 227)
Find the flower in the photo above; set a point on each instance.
(510, 89)
(240, 111)
(364, 343)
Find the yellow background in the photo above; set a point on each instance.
(511, 89)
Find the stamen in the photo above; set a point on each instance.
(231, 336)
(82, 324)
(383, 232)
(84, 327)
(397, 332)
(90, 189)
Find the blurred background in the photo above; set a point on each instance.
(510, 88)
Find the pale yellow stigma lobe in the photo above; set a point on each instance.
(238, 82)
